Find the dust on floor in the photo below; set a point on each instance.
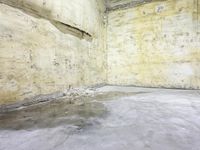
(113, 118)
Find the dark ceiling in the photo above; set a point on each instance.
(117, 4)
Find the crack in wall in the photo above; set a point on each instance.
(39, 12)
(68, 29)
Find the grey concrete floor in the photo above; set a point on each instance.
(116, 118)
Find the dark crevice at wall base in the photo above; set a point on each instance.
(45, 98)
(156, 87)
(98, 85)
(31, 101)
(36, 11)
(39, 99)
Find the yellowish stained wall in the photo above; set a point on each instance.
(152, 45)
(155, 45)
(38, 58)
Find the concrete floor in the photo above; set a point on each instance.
(116, 118)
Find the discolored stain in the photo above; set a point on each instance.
(76, 111)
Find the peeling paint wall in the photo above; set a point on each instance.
(155, 45)
(38, 57)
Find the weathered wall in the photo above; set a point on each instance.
(155, 45)
(48, 46)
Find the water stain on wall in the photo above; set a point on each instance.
(154, 45)
(37, 57)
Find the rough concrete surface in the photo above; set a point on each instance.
(114, 118)
(39, 55)
(47, 46)
(155, 45)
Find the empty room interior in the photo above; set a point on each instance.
(99, 74)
